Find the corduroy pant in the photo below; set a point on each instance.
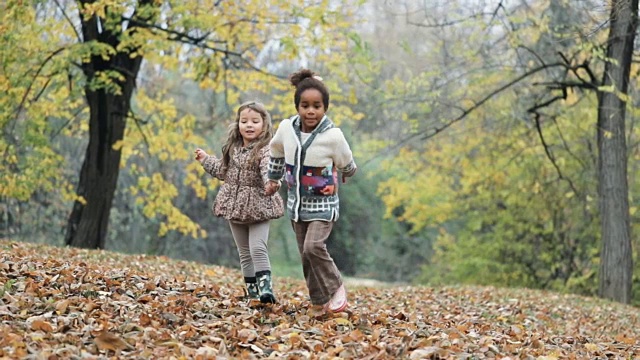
(320, 271)
(251, 241)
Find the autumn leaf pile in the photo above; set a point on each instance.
(61, 303)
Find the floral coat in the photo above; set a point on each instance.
(241, 197)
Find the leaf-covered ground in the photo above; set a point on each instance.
(61, 303)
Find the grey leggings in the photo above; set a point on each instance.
(251, 241)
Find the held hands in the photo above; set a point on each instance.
(200, 154)
(271, 187)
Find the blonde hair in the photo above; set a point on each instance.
(234, 138)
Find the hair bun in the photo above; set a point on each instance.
(305, 79)
(302, 74)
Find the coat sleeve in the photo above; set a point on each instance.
(343, 157)
(275, 168)
(213, 166)
(264, 164)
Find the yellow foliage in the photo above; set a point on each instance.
(155, 193)
(43, 86)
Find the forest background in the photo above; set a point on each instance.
(473, 124)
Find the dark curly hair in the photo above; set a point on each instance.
(305, 79)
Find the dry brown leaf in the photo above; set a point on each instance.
(424, 353)
(623, 338)
(145, 298)
(90, 306)
(109, 341)
(42, 326)
(145, 319)
(206, 352)
(61, 306)
(247, 335)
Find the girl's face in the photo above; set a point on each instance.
(250, 125)
(311, 109)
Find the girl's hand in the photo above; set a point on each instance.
(271, 187)
(200, 154)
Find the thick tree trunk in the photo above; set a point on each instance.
(616, 263)
(89, 219)
(87, 226)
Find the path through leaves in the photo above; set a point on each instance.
(66, 303)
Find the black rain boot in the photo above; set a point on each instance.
(253, 292)
(265, 287)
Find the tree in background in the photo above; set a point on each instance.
(616, 265)
(505, 216)
(615, 276)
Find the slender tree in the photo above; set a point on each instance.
(616, 263)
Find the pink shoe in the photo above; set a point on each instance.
(338, 302)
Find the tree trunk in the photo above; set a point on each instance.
(616, 263)
(87, 225)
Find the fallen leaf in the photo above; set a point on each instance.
(61, 306)
(591, 347)
(424, 353)
(42, 326)
(247, 335)
(108, 341)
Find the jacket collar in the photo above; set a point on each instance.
(324, 125)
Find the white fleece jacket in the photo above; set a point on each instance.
(311, 169)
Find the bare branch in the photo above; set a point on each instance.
(532, 53)
(559, 85)
(64, 13)
(566, 144)
(492, 94)
(69, 120)
(495, 12)
(564, 85)
(202, 43)
(173, 34)
(438, 25)
(426, 134)
(35, 76)
(536, 107)
(139, 122)
(547, 151)
(592, 76)
(44, 87)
